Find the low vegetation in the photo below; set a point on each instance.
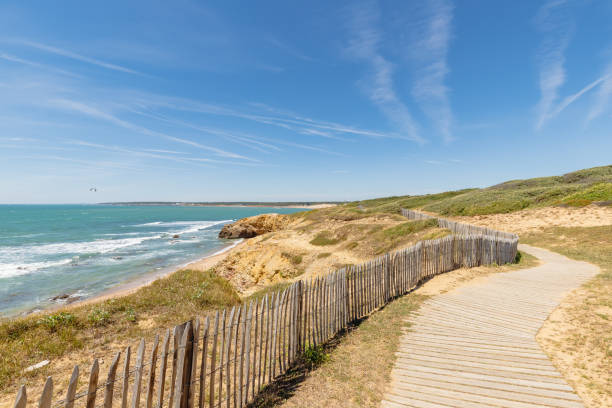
(325, 238)
(580, 343)
(317, 241)
(83, 329)
(578, 188)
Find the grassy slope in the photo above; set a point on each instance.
(578, 188)
(167, 301)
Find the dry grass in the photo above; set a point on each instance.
(78, 332)
(578, 335)
(356, 368)
(316, 242)
(358, 362)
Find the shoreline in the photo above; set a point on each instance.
(133, 285)
(296, 206)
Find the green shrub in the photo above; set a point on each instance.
(325, 238)
(130, 315)
(518, 257)
(54, 321)
(315, 355)
(597, 192)
(213, 290)
(409, 227)
(99, 317)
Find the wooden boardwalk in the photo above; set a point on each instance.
(475, 346)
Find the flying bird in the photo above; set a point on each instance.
(93, 189)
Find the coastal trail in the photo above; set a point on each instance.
(475, 346)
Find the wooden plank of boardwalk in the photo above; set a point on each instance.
(475, 346)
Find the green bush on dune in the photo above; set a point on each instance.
(601, 192)
(578, 188)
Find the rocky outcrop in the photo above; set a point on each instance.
(253, 226)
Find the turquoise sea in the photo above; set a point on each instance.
(83, 250)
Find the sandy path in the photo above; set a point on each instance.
(475, 346)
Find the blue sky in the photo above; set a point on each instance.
(195, 101)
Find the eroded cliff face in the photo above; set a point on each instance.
(284, 247)
(253, 226)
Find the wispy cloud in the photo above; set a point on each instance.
(289, 49)
(266, 115)
(429, 50)
(133, 152)
(83, 108)
(443, 162)
(13, 58)
(75, 56)
(572, 98)
(364, 44)
(603, 97)
(164, 151)
(553, 22)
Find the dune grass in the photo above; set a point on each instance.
(168, 301)
(582, 347)
(324, 238)
(578, 188)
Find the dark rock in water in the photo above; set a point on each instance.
(117, 258)
(60, 297)
(73, 299)
(175, 236)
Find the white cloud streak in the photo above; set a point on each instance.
(364, 44)
(572, 98)
(556, 27)
(85, 109)
(289, 49)
(13, 58)
(603, 97)
(78, 57)
(429, 50)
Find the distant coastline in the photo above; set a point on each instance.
(291, 204)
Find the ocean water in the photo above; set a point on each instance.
(83, 250)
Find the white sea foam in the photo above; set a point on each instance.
(22, 260)
(100, 246)
(8, 255)
(200, 224)
(197, 226)
(9, 270)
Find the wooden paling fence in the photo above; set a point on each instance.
(459, 227)
(226, 359)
